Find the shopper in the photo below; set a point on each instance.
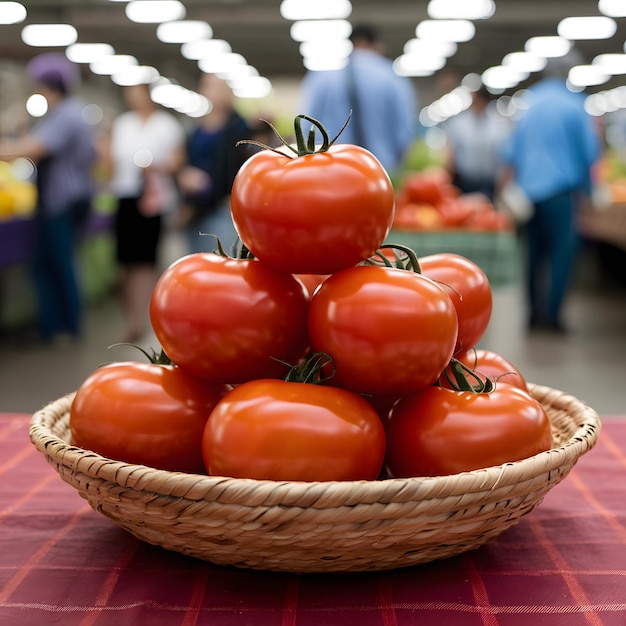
(61, 145)
(551, 154)
(213, 158)
(383, 104)
(146, 149)
(474, 144)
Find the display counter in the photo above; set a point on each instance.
(497, 253)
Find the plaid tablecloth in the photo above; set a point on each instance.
(564, 564)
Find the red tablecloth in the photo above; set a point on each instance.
(60, 562)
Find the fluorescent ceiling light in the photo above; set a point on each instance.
(502, 77)
(182, 31)
(461, 9)
(586, 75)
(88, 52)
(196, 50)
(37, 105)
(452, 103)
(446, 30)
(525, 61)
(154, 11)
(254, 87)
(423, 46)
(135, 75)
(612, 8)
(169, 94)
(49, 35)
(109, 65)
(549, 47)
(340, 48)
(194, 105)
(315, 9)
(612, 63)
(221, 63)
(238, 72)
(320, 29)
(12, 12)
(593, 27)
(324, 64)
(417, 65)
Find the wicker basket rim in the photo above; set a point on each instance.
(169, 483)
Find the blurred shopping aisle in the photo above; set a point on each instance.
(587, 362)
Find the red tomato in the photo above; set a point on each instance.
(469, 289)
(389, 331)
(277, 430)
(488, 364)
(311, 281)
(145, 414)
(313, 214)
(229, 320)
(438, 431)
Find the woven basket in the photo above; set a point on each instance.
(318, 527)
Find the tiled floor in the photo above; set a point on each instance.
(588, 362)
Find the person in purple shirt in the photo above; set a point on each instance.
(384, 105)
(551, 153)
(61, 145)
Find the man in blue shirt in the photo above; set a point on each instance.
(383, 104)
(551, 154)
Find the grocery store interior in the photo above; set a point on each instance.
(586, 361)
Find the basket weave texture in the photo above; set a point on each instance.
(318, 526)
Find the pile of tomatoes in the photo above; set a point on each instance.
(316, 353)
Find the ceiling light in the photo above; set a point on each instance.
(182, 31)
(196, 50)
(154, 11)
(109, 65)
(324, 63)
(525, 61)
(461, 9)
(238, 72)
(315, 9)
(586, 75)
(417, 65)
(320, 29)
(612, 63)
(594, 27)
(135, 75)
(37, 105)
(612, 8)
(502, 77)
(255, 87)
(221, 63)
(340, 48)
(195, 105)
(88, 52)
(169, 95)
(423, 46)
(446, 30)
(49, 35)
(549, 47)
(12, 12)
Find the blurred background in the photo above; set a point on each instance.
(264, 49)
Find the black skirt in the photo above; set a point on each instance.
(137, 236)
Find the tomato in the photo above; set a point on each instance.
(489, 364)
(437, 431)
(145, 414)
(389, 331)
(229, 320)
(311, 281)
(431, 186)
(277, 430)
(469, 289)
(313, 214)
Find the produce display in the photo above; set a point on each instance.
(428, 201)
(17, 196)
(315, 352)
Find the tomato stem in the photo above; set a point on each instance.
(157, 358)
(463, 376)
(310, 370)
(405, 260)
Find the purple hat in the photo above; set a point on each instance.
(54, 70)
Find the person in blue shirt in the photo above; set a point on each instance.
(62, 147)
(383, 104)
(551, 154)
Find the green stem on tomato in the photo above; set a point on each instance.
(462, 375)
(310, 369)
